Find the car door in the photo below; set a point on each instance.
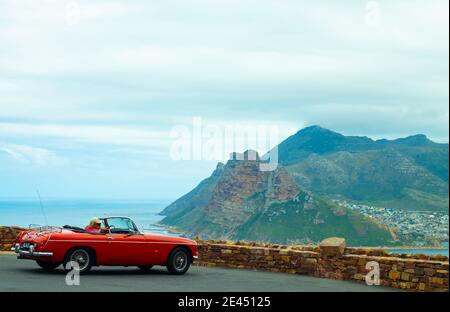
(126, 245)
(158, 249)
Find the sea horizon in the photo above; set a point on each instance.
(24, 212)
(45, 198)
(145, 212)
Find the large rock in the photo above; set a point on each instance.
(333, 247)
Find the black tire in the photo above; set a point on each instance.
(145, 267)
(83, 256)
(179, 261)
(46, 265)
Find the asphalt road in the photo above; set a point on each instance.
(25, 275)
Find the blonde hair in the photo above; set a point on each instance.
(94, 221)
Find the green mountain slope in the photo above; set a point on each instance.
(410, 173)
(294, 203)
(248, 204)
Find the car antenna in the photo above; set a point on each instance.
(42, 207)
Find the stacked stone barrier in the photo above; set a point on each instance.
(8, 235)
(333, 261)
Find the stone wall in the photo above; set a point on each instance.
(8, 235)
(329, 260)
(409, 272)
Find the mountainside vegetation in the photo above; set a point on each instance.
(409, 173)
(294, 203)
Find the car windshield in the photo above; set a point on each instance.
(121, 225)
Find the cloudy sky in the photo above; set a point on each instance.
(90, 91)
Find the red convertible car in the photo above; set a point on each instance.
(122, 244)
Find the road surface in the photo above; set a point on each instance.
(25, 275)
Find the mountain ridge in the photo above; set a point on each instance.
(317, 165)
(246, 203)
(331, 141)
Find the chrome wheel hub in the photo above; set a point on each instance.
(81, 257)
(180, 261)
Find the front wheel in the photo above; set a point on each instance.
(179, 261)
(46, 265)
(82, 257)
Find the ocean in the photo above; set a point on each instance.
(428, 252)
(79, 212)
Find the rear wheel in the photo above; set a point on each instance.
(179, 261)
(46, 265)
(83, 257)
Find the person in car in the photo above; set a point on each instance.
(95, 226)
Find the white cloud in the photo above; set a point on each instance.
(130, 70)
(31, 155)
(90, 134)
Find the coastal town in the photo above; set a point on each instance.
(418, 227)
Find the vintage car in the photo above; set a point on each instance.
(120, 244)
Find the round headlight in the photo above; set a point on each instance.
(31, 248)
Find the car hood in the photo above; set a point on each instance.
(169, 239)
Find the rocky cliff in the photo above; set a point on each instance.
(294, 203)
(239, 201)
